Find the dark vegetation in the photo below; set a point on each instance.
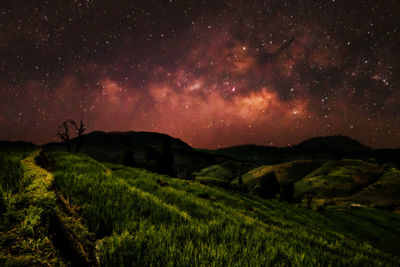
(139, 217)
(102, 207)
(269, 186)
(323, 148)
(153, 151)
(64, 132)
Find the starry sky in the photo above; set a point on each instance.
(212, 73)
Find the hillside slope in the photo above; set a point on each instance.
(339, 178)
(285, 172)
(143, 218)
(119, 216)
(384, 193)
(111, 147)
(35, 227)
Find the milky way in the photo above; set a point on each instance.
(213, 73)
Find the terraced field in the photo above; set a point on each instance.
(113, 215)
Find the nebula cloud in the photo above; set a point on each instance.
(213, 73)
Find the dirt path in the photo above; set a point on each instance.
(40, 227)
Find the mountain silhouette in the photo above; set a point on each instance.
(331, 143)
(112, 146)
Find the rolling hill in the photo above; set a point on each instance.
(83, 212)
(318, 165)
(384, 193)
(339, 178)
(111, 147)
(285, 172)
(222, 174)
(321, 148)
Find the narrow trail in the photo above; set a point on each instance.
(63, 222)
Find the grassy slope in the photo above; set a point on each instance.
(143, 218)
(23, 227)
(342, 176)
(222, 174)
(285, 172)
(34, 230)
(384, 192)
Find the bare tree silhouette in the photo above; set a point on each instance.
(80, 130)
(64, 132)
(65, 135)
(309, 198)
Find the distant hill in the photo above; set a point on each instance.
(323, 148)
(16, 146)
(254, 153)
(331, 143)
(111, 146)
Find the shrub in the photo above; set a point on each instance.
(287, 192)
(2, 204)
(11, 173)
(269, 185)
(45, 161)
(128, 159)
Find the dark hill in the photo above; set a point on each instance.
(325, 148)
(16, 146)
(111, 147)
(134, 139)
(331, 143)
(254, 153)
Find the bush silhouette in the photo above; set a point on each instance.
(45, 161)
(166, 159)
(151, 158)
(269, 185)
(309, 196)
(2, 204)
(128, 159)
(287, 192)
(160, 162)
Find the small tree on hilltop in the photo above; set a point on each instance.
(309, 198)
(80, 130)
(64, 133)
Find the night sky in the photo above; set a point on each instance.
(212, 73)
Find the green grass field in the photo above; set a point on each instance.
(341, 178)
(121, 216)
(285, 172)
(384, 193)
